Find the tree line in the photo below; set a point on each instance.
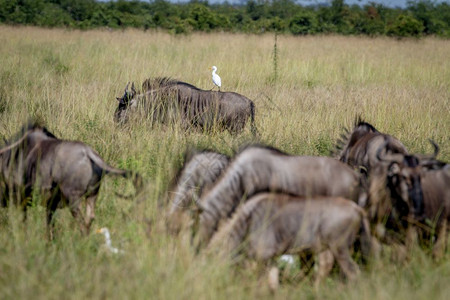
(417, 19)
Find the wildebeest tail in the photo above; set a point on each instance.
(107, 169)
(253, 128)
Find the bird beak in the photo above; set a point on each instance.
(99, 230)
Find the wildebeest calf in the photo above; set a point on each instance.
(268, 225)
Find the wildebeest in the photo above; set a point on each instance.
(168, 100)
(63, 172)
(382, 159)
(436, 198)
(259, 169)
(268, 225)
(199, 172)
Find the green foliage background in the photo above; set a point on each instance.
(256, 16)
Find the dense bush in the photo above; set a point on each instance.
(256, 16)
(405, 26)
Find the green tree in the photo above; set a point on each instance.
(406, 26)
(303, 23)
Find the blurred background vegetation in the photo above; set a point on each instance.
(417, 19)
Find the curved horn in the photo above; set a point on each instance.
(436, 148)
(383, 146)
(7, 148)
(427, 157)
(126, 88)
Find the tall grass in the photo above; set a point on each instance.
(70, 79)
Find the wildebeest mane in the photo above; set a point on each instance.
(260, 146)
(349, 137)
(162, 82)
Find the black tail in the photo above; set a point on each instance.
(98, 162)
(253, 128)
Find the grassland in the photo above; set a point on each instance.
(70, 80)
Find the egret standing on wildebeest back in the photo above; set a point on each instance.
(216, 78)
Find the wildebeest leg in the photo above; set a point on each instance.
(52, 205)
(25, 203)
(306, 261)
(439, 248)
(90, 212)
(411, 236)
(348, 266)
(273, 278)
(75, 209)
(325, 264)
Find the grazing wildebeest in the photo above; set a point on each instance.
(259, 169)
(167, 100)
(268, 225)
(199, 172)
(64, 172)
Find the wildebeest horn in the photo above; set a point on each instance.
(424, 158)
(7, 148)
(436, 148)
(388, 157)
(126, 88)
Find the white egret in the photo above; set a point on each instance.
(216, 78)
(108, 244)
(288, 259)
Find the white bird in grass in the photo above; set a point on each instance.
(108, 245)
(288, 259)
(216, 78)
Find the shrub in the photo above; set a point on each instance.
(303, 23)
(406, 26)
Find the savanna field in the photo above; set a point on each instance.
(70, 80)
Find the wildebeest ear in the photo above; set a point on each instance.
(118, 99)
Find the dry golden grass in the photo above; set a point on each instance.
(70, 80)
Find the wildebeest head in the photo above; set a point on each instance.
(124, 102)
(403, 181)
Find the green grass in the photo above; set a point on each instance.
(70, 80)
